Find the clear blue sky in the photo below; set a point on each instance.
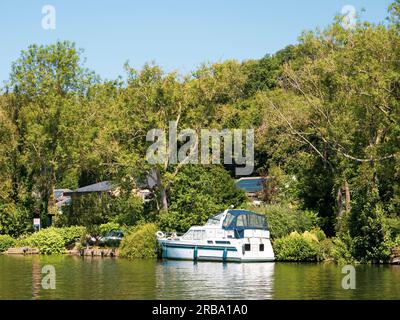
(178, 35)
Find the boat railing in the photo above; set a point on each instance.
(169, 235)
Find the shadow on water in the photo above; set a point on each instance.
(97, 278)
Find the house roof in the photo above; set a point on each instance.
(251, 184)
(64, 201)
(103, 186)
(59, 193)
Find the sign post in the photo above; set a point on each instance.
(36, 224)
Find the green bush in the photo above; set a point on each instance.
(197, 193)
(48, 241)
(325, 249)
(127, 209)
(6, 242)
(342, 250)
(141, 243)
(319, 234)
(71, 234)
(14, 220)
(106, 228)
(392, 224)
(371, 239)
(297, 247)
(397, 241)
(283, 219)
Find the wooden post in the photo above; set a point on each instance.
(347, 191)
(339, 202)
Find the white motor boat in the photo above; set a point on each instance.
(230, 236)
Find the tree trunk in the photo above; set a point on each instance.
(163, 191)
(347, 190)
(339, 202)
(347, 199)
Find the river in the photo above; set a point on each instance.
(97, 278)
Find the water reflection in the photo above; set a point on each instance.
(36, 279)
(212, 280)
(97, 278)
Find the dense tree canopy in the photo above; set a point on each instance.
(326, 114)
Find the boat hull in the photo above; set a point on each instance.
(177, 250)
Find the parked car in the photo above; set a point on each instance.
(112, 239)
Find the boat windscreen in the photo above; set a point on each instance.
(245, 220)
(215, 219)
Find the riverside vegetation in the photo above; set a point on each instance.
(326, 115)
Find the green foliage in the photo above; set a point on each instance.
(296, 247)
(52, 240)
(71, 234)
(141, 243)
(325, 249)
(6, 242)
(308, 246)
(48, 241)
(47, 85)
(93, 210)
(264, 74)
(14, 220)
(106, 228)
(394, 10)
(326, 118)
(392, 225)
(319, 234)
(397, 241)
(370, 239)
(283, 219)
(342, 250)
(198, 193)
(127, 210)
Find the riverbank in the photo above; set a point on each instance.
(92, 252)
(140, 243)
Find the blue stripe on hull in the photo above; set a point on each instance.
(200, 247)
(220, 259)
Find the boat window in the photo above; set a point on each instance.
(198, 234)
(188, 235)
(253, 220)
(214, 220)
(247, 247)
(240, 222)
(228, 220)
(222, 242)
(210, 242)
(242, 219)
(261, 246)
(210, 233)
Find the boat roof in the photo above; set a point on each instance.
(239, 219)
(236, 212)
(251, 184)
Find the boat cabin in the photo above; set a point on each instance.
(231, 224)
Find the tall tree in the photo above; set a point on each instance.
(48, 83)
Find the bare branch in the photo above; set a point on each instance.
(297, 132)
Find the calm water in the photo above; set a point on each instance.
(96, 278)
